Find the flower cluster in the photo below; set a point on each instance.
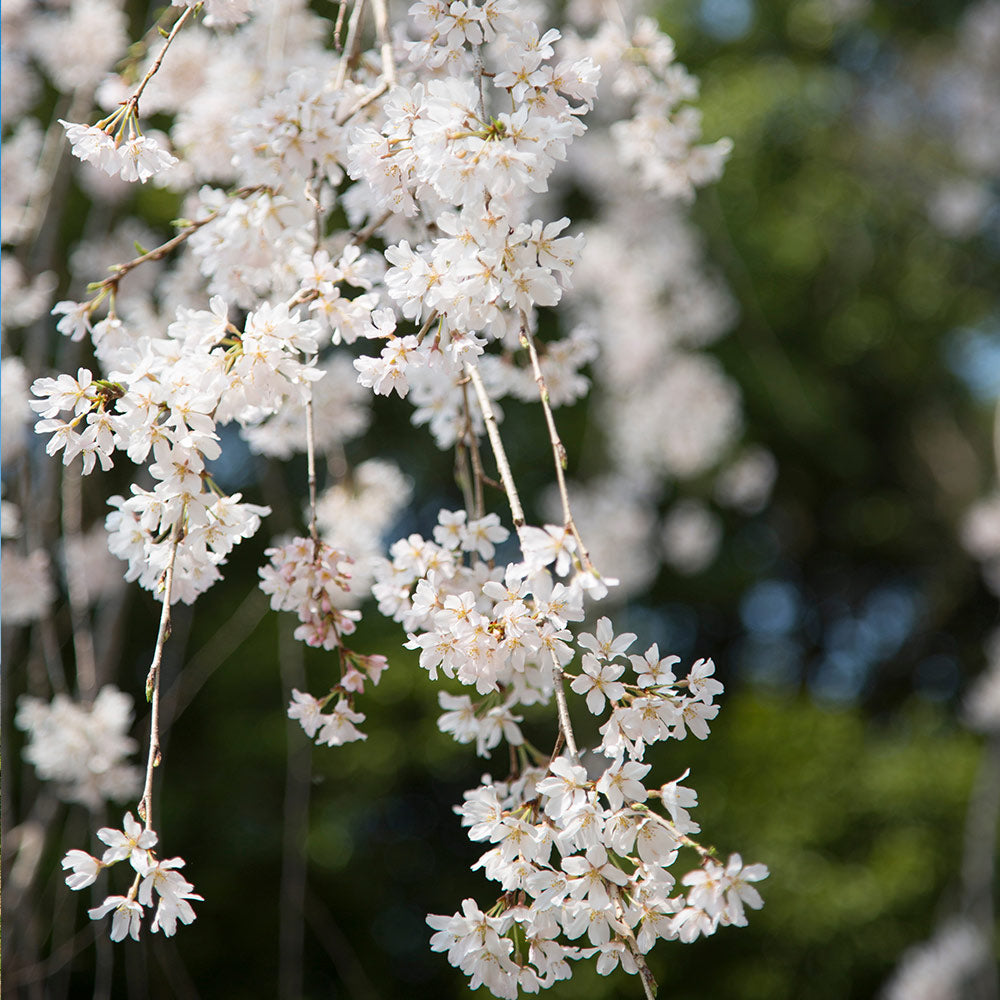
(305, 576)
(165, 396)
(311, 578)
(135, 158)
(578, 849)
(585, 858)
(135, 844)
(440, 156)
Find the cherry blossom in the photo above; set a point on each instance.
(137, 158)
(135, 844)
(442, 145)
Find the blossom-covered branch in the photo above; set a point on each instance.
(442, 142)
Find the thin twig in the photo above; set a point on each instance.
(473, 503)
(479, 75)
(301, 297)
(558, 449)
(187, 226)
(364, 235)
(645, 976)
(428, 323)
(338, 27)
(517, 514)
(560, 741)
(120, 270)
(349, 57)
(312, 195)
(311, 466)
(361, 103)
(76, 585)
(645, 973)
(565, 726)
(151, 72)
(493, 432)
(385, 45)
(311, 192)
(479, 477)
(153, 682)
(463, 472)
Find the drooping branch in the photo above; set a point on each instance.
(558, 448)
(496, 443)
(565, 726)
(151, 72)
(153, 681)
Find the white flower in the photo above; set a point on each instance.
(14, 400)
(83, 748)
(694, 715)
(227, 13)
(599, 681)
(132, 842)
(701, 684)
(91, 144)
(677, 800)
(498, 722)
(388, 371)
(450, 528)
(136, 158)
(174, 892)
(169, 910)
(141, 157)
(338, 727)
(75, 322)
(623, 781)
(611, 954)
(481, 535)
(63, 393)
(655, 844)
(28, 590)
(85, 869)
(460, 718)
(307, 710)
(481, 812)
(565, 790)
(605, 645)
(737, 890)
(543, 546)
(127, 919)
(591, 875)
(652, 670)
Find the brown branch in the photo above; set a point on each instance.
(120, 270)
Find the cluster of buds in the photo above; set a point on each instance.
(309, 577)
